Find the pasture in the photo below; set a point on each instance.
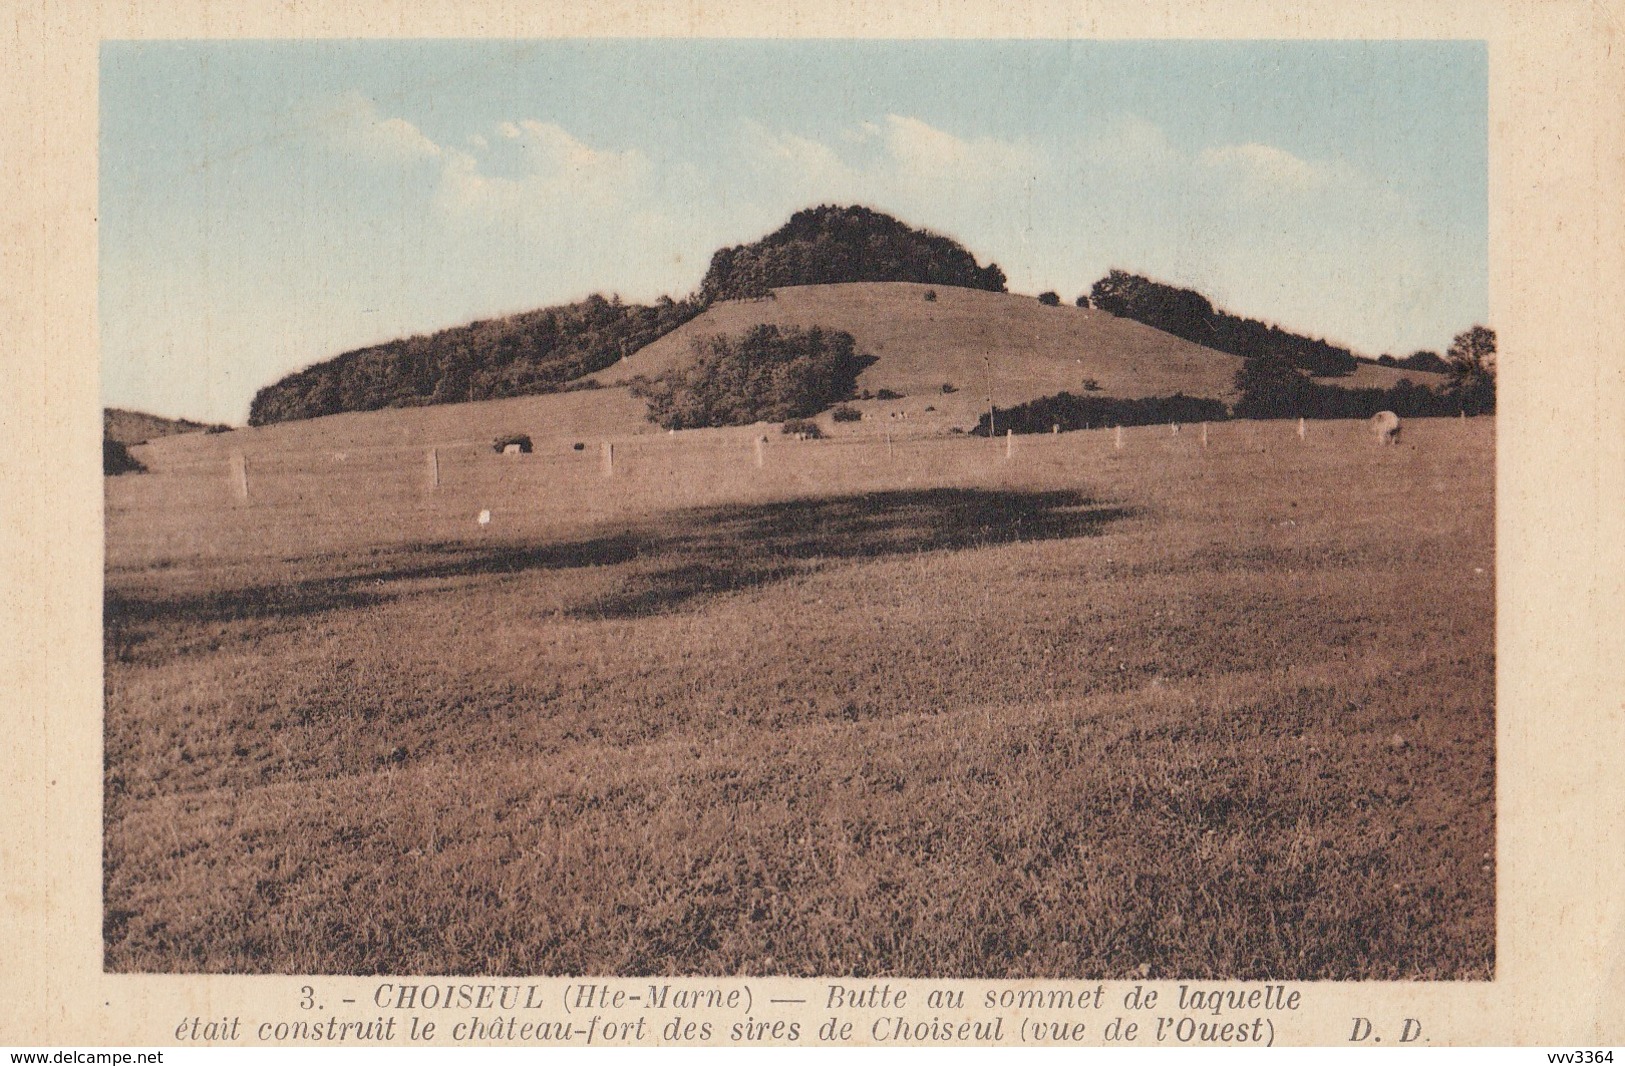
(868, 709)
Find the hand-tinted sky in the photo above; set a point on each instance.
(265, 205)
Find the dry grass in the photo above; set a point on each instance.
(1034, 350)
(927, 711)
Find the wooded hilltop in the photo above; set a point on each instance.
(552, 349)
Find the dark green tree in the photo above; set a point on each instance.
(763, 375)
(1472, 370)
(1271, 387)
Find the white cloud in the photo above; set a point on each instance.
(1133, 143)
(355, 126)
(923, 150)
(1264, 168)
(553, 173)
(788, 164)
(899, 161)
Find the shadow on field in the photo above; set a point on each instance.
(696, 552)
(726, 549)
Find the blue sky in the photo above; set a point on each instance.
(265, 205)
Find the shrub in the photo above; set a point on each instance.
(888, 394)
(1083, 302)
(930, 296)
(801, 427)
(948, 387)
(1091, 385)
(763, 375)
(1050, 299)
(1077, 412)
(928, 407)
(116, 459)
(1422, 359)
(1272, 388)
(578, 446)
(501, 444)
(844, 413)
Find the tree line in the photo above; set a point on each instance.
(1188, 314)
(1271, 387)
(534, 352)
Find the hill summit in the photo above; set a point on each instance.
(830, 245)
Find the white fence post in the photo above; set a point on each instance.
(239, 474)
(1303, 430)
(608, 452)
(1119, 438)
(1009, 443)
(434, 468)
(761, 451)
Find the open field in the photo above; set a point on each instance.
(867, 709)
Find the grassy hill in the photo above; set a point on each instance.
(1009, 347)
(847, 269)
(136, 427)
(918, 346)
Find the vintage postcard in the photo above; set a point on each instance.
(812, 531)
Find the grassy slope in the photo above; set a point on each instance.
(554, 421)
(134, 427)
(1036, 350)
(861, 711)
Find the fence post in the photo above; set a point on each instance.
(761, 451)
(608, 452)
(1119, 438)
(434, 468)
(239, 474)
(1303, 430)
(1204, 434)
(1009, 443)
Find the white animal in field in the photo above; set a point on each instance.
(484, 519)
(1385, 425)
